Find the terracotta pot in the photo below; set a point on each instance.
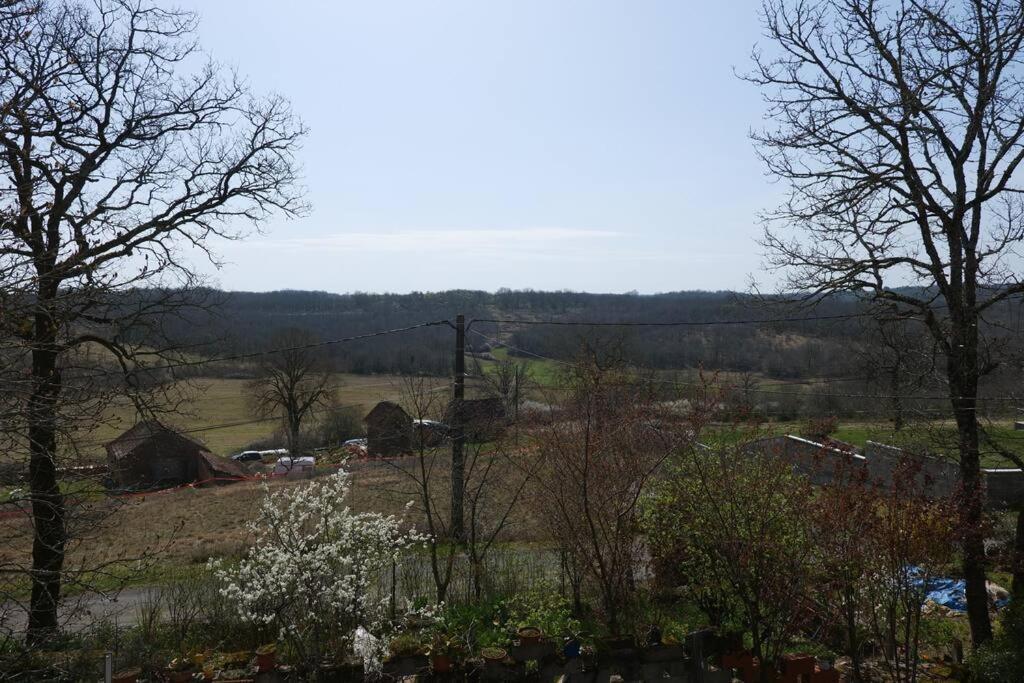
(266, 661)
(441, 664)
(529, 635)
(493, 655)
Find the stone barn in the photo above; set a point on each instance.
(151, 455)
(388, 431)
(483, 419)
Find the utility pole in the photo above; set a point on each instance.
(458, 526)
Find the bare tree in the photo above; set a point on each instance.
(900, 128)
(508, 380)
(899, 358)
(122, 149)
(497, 472)
(292, 383)
(596, 455)
(428, 476)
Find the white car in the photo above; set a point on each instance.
(295, 468)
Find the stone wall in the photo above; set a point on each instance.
(933, 476)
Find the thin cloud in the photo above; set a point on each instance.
(507, 242)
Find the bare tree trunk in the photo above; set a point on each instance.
(48, 513)
(897, 400)
(963, 373)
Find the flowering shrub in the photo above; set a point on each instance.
(313, 565)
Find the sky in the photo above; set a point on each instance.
(588, 145)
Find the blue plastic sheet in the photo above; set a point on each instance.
(950, 593)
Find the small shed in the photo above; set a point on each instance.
(483, 419)
(388, 431)
(150, 454)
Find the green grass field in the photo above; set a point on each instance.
(221, 414)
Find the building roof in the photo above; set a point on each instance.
(385, 409)
(137, 435)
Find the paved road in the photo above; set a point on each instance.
(81, 613)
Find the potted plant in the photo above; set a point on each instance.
(529, 635)
(406, 645)
(443, 650)
(266, 657)
(493, 655)
(408, 655)
(180, 670)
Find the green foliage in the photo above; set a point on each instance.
(494, 623)
(1002, 659)
(546, 610)
(731, 531)
(407, 645)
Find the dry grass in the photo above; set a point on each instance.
(219, 405)
(179, 529)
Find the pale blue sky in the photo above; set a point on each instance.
(593, 145)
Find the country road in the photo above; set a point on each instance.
(79, 613)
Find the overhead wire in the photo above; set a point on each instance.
(676, 382)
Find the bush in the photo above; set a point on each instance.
(1002, 660)
(340, 424)
(312, 565)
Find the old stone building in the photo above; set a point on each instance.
(388, 431)
(151, 455)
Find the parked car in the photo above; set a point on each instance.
(356, 447)
(252, 456)
(247, 456)
(298, 467)
(430, 432)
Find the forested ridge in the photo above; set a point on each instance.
(241, 322)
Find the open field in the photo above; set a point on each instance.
(221, 415)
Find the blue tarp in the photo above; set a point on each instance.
(950, 593)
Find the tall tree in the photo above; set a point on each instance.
(292, 383)
(899, 127)
(122, 149)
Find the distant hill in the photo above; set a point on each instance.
(839, 355)
(240, 322)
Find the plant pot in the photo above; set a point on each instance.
(493, 655)
(529, 635)
(127, 675)
(266, 661)
(441, 664)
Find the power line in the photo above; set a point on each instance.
(299, 347)
(760, 391)
(680, 323)
(138, 366)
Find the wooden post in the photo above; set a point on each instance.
(458, 527)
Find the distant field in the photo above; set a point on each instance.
(934, 436)
(220, 404)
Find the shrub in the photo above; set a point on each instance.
(735, 526)
(312, 566)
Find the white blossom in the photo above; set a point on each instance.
(312, 562)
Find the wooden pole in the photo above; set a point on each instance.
(458, 527)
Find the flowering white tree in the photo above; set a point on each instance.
(312, 566)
